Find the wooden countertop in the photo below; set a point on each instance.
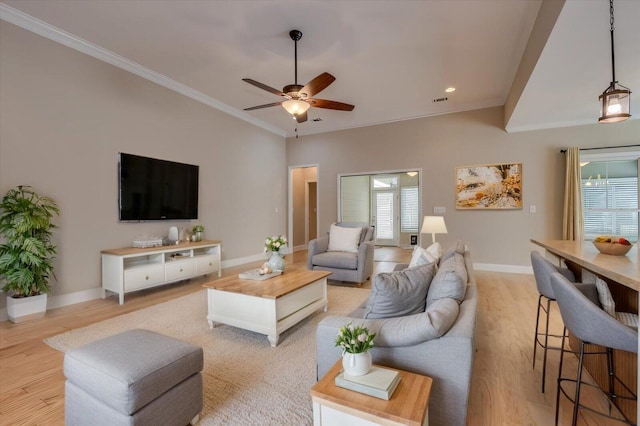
(290, 280)
(622, 269)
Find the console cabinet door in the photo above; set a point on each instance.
(141, 277)
(180, 269)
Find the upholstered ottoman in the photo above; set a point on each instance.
(133, 378)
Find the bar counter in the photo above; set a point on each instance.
(622, 274)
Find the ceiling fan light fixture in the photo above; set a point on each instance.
(295, 106)
(615, 101)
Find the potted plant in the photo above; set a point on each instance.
(26, 252)
(355, 343)
(197, 231)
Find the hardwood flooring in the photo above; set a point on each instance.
(505, 390)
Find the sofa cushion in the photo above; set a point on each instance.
(343, 238)
(402, 293)
(450, 280)
(336, 259)
(414, 329)
(421, 255)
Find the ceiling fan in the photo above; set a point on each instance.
(299, 98)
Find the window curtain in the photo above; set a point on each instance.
(572, 222)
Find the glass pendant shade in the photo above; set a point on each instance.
(615, 104)
(295, 107)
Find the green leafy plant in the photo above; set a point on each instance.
(354, 340)
(26, 255)
(275, 243)
(197, 228)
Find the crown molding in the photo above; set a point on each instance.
(37, 26)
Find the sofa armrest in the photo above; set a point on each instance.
(365, 260)
(317, 246)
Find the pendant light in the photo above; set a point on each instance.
(615, 101)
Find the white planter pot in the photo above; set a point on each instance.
(356, 364)
(26, 308)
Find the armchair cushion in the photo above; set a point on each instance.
(336, 259)
(402, 293)
(344, 238)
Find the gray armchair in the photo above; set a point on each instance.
(344, 266)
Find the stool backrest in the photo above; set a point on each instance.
(587, 321)
(542, 270)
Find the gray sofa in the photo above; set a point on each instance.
(447, 359)
(344, 266)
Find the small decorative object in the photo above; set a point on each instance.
(197, 231)
(490, 186)
(355, 343)
(273, 245)
(616, 246)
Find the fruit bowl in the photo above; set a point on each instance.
(613, 248)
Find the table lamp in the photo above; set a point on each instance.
(433, 225)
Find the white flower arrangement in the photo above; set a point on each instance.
(275, 243)
(354, 340)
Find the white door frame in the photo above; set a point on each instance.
(290, 200)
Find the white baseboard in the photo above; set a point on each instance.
(511, 269)
(242, 260)
(300, 248)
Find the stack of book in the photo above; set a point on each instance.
(378, 382)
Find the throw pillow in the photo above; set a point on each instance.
(605, 298)
(342, 238)
(395, 294)
(412, 330)
(450, 280)
(422, 256)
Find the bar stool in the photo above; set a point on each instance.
(542, 270)
(585, 320)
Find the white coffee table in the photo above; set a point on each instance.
(270, 306)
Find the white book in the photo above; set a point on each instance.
(378, 382)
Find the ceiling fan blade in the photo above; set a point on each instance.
(323, 103)
(264, 87)
(301, 118)
(318, 84)
(263, 106)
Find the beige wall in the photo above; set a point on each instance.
(64, 118)
(438, 145)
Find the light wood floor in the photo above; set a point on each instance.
(505, 389)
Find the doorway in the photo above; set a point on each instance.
(303, 206)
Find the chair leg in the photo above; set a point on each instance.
(535, 335)
(576, 403)
(612, 394)
(546, 345)
(564, 333)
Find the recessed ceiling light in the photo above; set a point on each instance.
(450, 89)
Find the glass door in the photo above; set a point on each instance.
(384, 210)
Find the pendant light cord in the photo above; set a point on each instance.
(613, 64)
(295, 52)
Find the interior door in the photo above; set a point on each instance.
(384, 212)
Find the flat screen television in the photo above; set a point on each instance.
(152, 189)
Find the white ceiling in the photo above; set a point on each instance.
(390, 58)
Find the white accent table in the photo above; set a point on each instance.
(270, 306)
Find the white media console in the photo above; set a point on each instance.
(131, 269)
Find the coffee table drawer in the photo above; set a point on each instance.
(293, 302)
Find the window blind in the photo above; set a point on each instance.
(409, 209)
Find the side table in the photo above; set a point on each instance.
(409, 404)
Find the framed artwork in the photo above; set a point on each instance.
(489, 186)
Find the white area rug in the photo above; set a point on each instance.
(246, 381)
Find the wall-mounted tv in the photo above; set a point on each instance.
(152, 189)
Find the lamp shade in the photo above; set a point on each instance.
(433, 225)
(295, 107)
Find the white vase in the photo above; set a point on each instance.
(356, 364)
(276, 261)
(26, 308)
